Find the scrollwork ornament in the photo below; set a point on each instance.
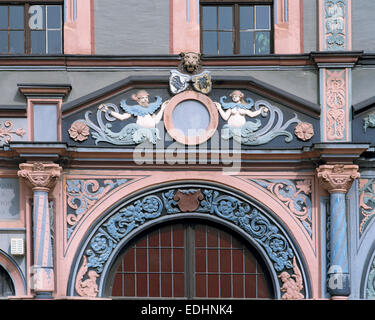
(83, 194)
(248, 132)
(294, 194)
(366, 202)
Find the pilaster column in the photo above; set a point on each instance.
(337, 180)
(42, 178)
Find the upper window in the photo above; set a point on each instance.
(240, 27)
(31, 29)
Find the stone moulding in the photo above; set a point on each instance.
(114, 228)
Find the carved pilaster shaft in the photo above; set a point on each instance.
(337, 180)
(42, 178)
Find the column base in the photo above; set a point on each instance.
(339, 284)
(339, 298)
(43, 296)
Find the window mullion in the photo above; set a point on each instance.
(27, 29)
(236, 28)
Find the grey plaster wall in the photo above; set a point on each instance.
(363, 25)
(310, 25)
(300, 82)
(131, 27)
(363, 84)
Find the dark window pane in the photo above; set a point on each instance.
(53, 17)
(38, 42)
(246, 17)
(247, 42)
(262, 43)
(54, 42)
(225, 43)
(225, 18)
(3, 41)
(3, 17)
(209, 18)
(209, 42)
(37, 17)
(17, 42)
(16, 17)
(262, 17)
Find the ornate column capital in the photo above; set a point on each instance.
(338, 177)
(41, 176)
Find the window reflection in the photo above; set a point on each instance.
(236, 29)
(35, 29)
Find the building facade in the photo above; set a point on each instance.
(187, 149)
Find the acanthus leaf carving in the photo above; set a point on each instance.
(41, 176)
(338, 177)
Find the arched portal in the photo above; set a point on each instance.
(116, 229)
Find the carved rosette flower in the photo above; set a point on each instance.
(40, 176)
(304, 131)
(338, 177)
(79, 131)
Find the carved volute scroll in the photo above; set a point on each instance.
(338, 177)
(40, 176)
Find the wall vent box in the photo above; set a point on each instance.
(17, 247)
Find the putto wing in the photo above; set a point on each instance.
(137, 110)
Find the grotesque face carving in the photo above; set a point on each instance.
(191, 62)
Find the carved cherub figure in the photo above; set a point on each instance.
(143, 111)
(88, 287)
(292, 287)
(236, 111)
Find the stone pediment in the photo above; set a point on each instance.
(141, 109)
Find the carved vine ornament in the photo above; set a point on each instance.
(200, 200)
(7, 132)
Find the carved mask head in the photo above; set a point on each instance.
(191, 61)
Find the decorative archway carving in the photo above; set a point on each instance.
(101, 246)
